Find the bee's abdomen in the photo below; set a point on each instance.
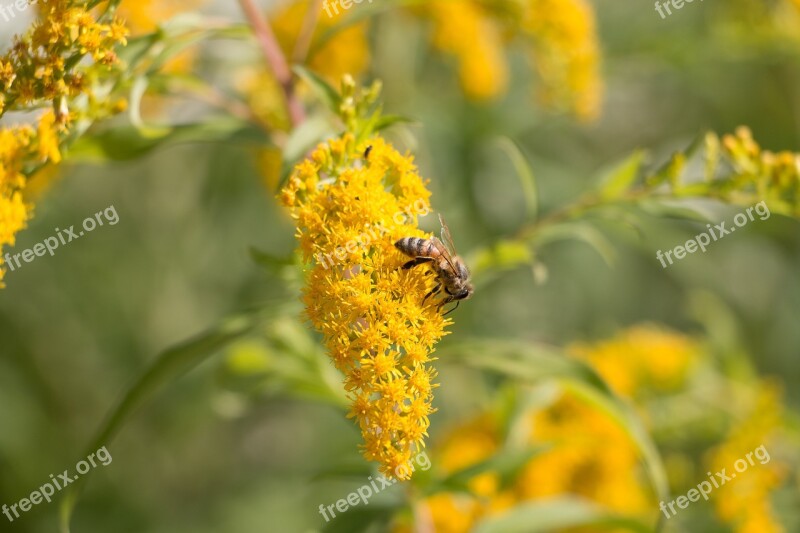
(414, 246)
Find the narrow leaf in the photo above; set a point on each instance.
(556, 514)
(579, 231)
(169, 366)
(329, 95)
(621, 177)
(534, 364)
(527, 179)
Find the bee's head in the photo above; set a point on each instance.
(468, 291)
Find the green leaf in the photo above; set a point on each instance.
(138, 47)
(503, 255)
(138, 89)
(556, 514)
(387, 121)
(507, 463)
(579, 231)
(529, 363)
(621, 177)
(527, 179)
(698, 209)
(122, 143)
(329, 95)
(362, 519)
(273, 264)
(168, 367)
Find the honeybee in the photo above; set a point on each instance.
(452, 274)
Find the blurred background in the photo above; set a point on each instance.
(229, 447)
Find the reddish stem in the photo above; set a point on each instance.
(275, 59)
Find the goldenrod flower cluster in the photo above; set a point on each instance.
(345, 53)
(559, 37)
(761, 174)
(46, 67)
(45, 64)
(350, 209)
(591, 455)
(15, 145)
(641, 358)
(745, 502)
(566, 54)
(465, 30)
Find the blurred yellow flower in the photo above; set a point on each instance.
(14, 211)
(48, 138)
(346, 52)
(744, 502)
(370, 312)
(761, 174)
(559, 36)
(143, 16)
(465, 30)
(590, 455)
(566, 54)
(641, 358)
(586, 453)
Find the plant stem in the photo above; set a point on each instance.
(303, 43)
(275, 59)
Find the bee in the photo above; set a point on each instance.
(452, 274)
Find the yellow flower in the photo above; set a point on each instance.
(48, 138)
(641, 358)
(14, 214)
(46, 68)
(143, 16)
(566, 54)
(590, 456)
(347, 52)
(465, 30)
(15, 146)
(559, 37)
(745, 501)
(761, 175)
(35, 67)
(349, 212)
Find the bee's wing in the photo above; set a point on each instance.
(446, 237)
(444, 252)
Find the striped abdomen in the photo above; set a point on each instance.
(417, 247)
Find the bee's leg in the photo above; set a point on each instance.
(453, 309)
(417, 261)
(444, 301)
(435, 290)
